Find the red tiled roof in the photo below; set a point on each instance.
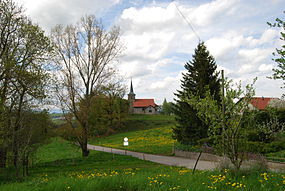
(144, 103)
(260, 102)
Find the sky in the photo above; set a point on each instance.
(158, 41)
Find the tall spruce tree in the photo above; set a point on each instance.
(201, 76)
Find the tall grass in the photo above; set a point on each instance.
(157, 178)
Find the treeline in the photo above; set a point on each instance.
(73, 67)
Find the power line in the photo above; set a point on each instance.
(187, 21)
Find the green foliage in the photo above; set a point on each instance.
(279, 55)
(24, 80)
(190, 148)
(225, 127)
(265, 130)
(107, 115)
(201, 76)
(167, 107)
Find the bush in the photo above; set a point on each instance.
(277, 145)
(255, 147)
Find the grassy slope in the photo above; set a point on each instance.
(146, 133)
(103, 171)
(150, 134)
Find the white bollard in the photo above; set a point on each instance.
(126, 143)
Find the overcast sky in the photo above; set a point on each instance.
(158, 41)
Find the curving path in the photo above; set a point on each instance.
(167, 160)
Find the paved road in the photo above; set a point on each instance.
(167, 160)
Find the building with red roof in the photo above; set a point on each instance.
(260, 103)
(141, 106)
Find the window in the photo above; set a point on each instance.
(150, 111)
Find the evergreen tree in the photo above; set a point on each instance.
(167, 107)
(201, 76)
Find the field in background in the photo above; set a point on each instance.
(154, 141)
(146, 133)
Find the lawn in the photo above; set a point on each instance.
(105, 172)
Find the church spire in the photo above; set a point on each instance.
(131, 90)
(131, 98)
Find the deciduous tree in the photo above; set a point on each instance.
(109, 110)
(24, 51)
(225, 128)
(86, 52)
(279, 55)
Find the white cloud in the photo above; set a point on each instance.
(269, 36)
(265, 67)
(240, 47)
(133, 69)
(158, 41)
(207, 13)
(49, 13)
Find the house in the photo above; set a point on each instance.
(141, 106)
(260, 103)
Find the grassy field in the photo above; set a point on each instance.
(142, 122)
(105, 172)
(146, 133)
(155, 141)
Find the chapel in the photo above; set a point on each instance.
(141, 106)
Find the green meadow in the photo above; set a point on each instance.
(146, 133)
(104, 171)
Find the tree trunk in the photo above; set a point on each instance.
(3, 157)
(85, 151)
(25, 163)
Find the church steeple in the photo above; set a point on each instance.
(131, 98)
(131, 89)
